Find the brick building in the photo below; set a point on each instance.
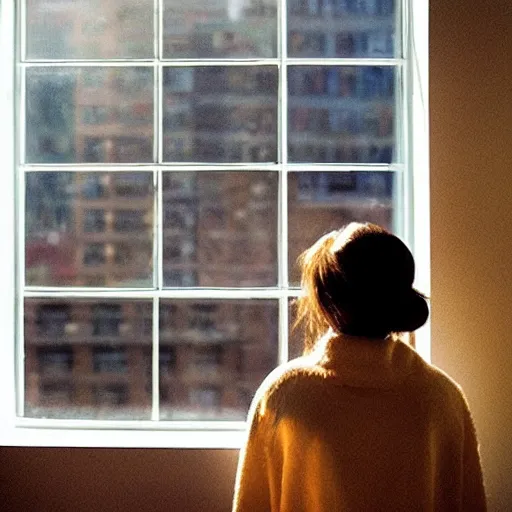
(89, 358)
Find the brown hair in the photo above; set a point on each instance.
(358, 281)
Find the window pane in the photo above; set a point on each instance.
(295, 334)
(89, 229)
(219, 29)
(340, 114)
(89, 114)
(341, 28)
(320, 202)
(220, 114)
(89, 29)
(220, 228)
(214, 355)
(92, 357)
(85, 359)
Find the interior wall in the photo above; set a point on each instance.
(471, 153)
(106, 480)
(471, 181)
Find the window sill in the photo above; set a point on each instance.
(96, 434)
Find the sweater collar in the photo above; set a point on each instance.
(365, 362)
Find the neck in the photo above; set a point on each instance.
(365, 362)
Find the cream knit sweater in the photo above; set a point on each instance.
(359, 425)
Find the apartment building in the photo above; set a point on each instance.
(98, 229)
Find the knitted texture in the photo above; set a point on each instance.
(359, 425)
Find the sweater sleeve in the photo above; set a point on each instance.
(252, 490)
(473, 492)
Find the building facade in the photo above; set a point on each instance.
(90, 358)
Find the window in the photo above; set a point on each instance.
(132, 185)
(106, 320)
(94, 221)
(110, 395)
(129, 220)
(209, 358)
(93, 186)
(167, 360)
(55, 359)
(52, 319)
(109, 359)
(94, 254)
(170, 164)
(203, 317)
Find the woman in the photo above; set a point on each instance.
(360, 422)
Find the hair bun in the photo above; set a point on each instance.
(407, 313)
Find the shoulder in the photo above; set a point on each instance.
(295, 371)
(287, 380)
(442, 380)
(440, 387)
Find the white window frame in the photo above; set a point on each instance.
(17, 431)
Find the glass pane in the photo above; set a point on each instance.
(220, 228)
(219, 29)
(220, 114)
(89, 29)
(89, 229)
(340, 114)
(87, 359)
(320, 202)
(295, 334)
(342, 28)
(89, 114)
(214, 355)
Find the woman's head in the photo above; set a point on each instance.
(358, 281)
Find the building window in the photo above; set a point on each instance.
(203, 317)
(106, 320)
(209, 358)
(111, 395)
(332, 186)
(171, 163)
(93, 186)
(167, 360)
(107, 359)
(94, 254)
(94, 221)
(52, 320)
(132, 185)
(129, 220)
(57, 359)
(56, 394)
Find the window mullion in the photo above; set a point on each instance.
(21, 26)
(158, 29)
(166, 293)
(155, 362)
(314, 61)
(158, 277)
(395, 167)
(158, 216)
(201, 167)
(283, 182)
(345, 61)
(157, 114)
